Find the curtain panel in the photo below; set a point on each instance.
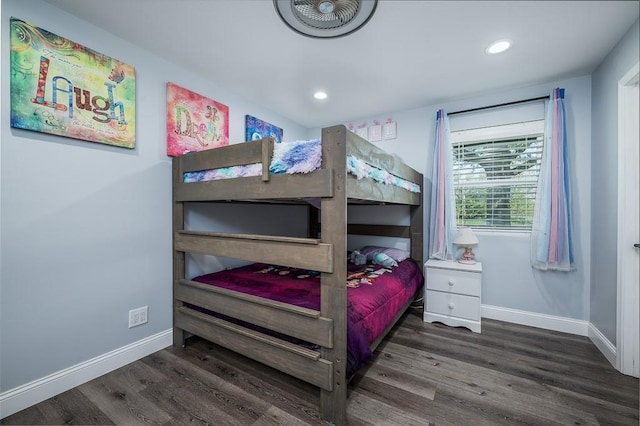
(442, 224)
(551, 233)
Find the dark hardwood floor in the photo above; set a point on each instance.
(423, 374)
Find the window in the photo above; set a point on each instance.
(495, 174)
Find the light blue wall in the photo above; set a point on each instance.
(508, 279)
(604, 180)
(86, 228)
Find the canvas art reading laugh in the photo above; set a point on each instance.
(63, 88)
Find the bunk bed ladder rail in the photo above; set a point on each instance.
(265, 187)
(295, 360)
(333, 296)
(363, 190)
(305, 324)
(304, 253)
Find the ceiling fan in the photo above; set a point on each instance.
(325, 18)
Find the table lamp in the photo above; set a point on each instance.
(465, 237)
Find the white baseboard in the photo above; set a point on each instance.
(603, 344)
(550, 322)
(24, 396)
(532, 319)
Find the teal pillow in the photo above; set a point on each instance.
(384, 260)
(396, 254)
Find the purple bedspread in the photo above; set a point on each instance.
(370, 307)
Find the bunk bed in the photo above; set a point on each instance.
(324, 251)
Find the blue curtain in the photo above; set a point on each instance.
(551, 233)
(442, 224)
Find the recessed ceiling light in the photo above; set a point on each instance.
(499, 47)
(320, 95)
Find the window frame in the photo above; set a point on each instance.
(499, 134)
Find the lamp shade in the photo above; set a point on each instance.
(465, 237)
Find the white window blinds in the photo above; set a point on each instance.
(495, 173)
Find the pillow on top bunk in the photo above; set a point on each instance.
(296, 157)
(396, 254)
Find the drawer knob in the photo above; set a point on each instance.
(451, 305)
(451, 282)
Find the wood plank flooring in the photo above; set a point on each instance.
(423, 374)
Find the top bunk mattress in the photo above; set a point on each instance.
(300, 157)
(295, 172)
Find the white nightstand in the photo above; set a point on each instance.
(452, 293)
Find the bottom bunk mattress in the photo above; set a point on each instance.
(375, 295)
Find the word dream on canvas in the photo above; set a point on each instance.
(194, 122)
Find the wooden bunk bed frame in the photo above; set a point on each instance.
(328, 255)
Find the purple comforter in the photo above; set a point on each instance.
(370, 307)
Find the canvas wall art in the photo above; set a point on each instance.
(194, 122)
(63, 88)
(256, 129)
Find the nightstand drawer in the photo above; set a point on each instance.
(455, 305)
(459, 282)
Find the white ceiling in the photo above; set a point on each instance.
(410, 54)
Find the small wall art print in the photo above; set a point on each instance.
(256, 129)
(194, 122)
(63, 88)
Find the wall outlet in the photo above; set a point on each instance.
(138, 316)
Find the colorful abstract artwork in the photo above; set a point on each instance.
(63, 88)
(194, 122)
(256, 129)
